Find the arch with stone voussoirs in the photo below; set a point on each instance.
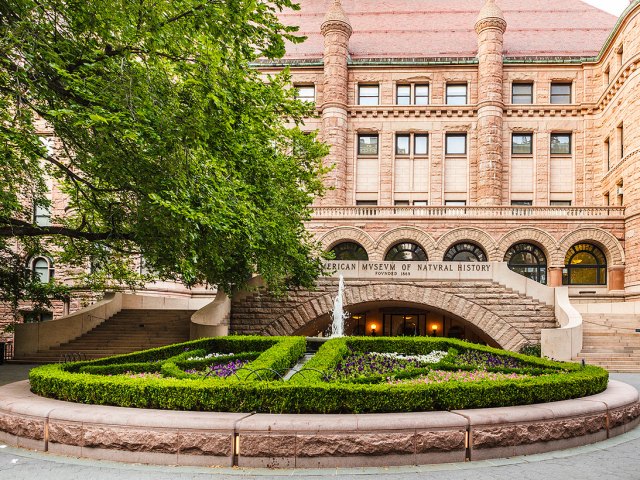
(534, 236)
(502, 332)
(348, 234)
(609, 244)
(405, 234)
(467, 234)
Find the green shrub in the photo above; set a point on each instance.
(307, 392)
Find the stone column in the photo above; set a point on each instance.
(490, 28)
(555, 277)
(336, 31)
(616, 277)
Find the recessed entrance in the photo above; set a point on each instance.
(396, 320)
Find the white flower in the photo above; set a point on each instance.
(433, 357)
(211, 355)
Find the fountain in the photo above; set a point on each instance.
(339, 315)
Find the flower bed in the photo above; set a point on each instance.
(346, 375)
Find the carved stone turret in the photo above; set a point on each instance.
(336, 31)
(490, 28)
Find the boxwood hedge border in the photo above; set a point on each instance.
(307, 392)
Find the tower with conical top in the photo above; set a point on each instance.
(490, 28)
(336, 31)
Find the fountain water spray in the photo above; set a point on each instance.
(339, 315)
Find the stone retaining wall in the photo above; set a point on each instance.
(310, 441)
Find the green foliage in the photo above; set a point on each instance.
(307, 393)
(170, 145)
(532, 350)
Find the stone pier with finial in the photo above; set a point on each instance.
(336, 31)
(490, 28)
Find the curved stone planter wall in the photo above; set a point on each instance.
(262, 440)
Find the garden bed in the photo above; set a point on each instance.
(347, 375)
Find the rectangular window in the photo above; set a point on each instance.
(621, 140)
(421, 144)
(456, 144)
(561, 93)
(306, 93)
(368, 94)
(420, 203)
(606, 75)
(619, 55)
(455, 203)
(457, 94)
(522, 93)
(412, 94)
(521, 203)
(607, 154)
(403, 95)
(421, 95)
(42, 215)
(366, 203)
(560, 144)
(560, 203)
(401, 203)
(367, 144)
(402, 144)
(411, 167)
(522, 144)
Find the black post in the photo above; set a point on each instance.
(2, 352)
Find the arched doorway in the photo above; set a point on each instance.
(585, 264)
(465, 252)
(527, 260)
(349, 251)
(406, 252)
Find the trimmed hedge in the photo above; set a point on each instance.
(307, 392)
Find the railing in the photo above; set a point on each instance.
(343, 212)
(6, 351)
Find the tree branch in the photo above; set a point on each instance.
(11, 227)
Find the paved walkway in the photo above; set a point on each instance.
(615, 459)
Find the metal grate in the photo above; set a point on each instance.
(6, 351)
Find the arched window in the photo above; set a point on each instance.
(406, 252)
(42, 268)
(465, 252)
(350, 251)
(585, 264)
(527, 260)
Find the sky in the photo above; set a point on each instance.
(615, 7)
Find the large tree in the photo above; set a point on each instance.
(170, 145)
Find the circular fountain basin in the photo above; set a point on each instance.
(310, 441)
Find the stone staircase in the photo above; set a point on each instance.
(611, 341)
(259, 313)
(125, 332)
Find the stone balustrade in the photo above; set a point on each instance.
(486, 212)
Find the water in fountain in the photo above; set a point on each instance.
(339, 315)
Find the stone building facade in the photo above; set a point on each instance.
(467, 130)
(478, 130)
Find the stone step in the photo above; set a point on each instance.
(127, 331)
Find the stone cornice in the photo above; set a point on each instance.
(613, 171)
(336, 25)
(617, 83)
(490, 103)
(326, 105)
(494, 23)
(438, 111)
